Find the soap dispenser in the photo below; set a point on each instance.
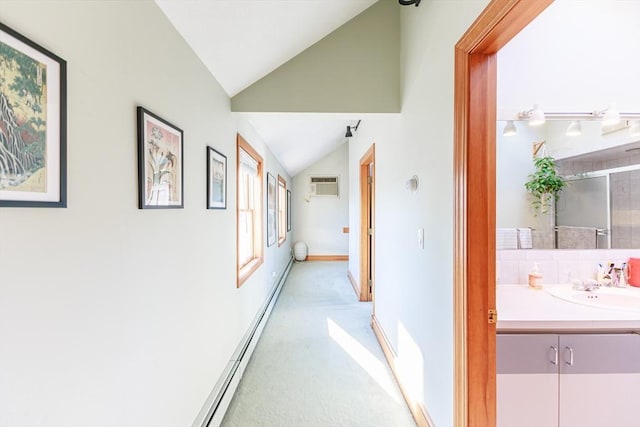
(535, 277)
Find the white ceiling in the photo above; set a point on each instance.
(299, 140)
(241, 41)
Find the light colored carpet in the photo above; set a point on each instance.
(318, 363)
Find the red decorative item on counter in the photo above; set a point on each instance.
(634, 272)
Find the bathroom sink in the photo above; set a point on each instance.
(625, 299)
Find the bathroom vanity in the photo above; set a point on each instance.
(568, 358)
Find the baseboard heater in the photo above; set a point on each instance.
(213, 406)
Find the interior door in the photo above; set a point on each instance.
(367, 225)
(370, 240)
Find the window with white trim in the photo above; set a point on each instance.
(249, 210)
(282, 210)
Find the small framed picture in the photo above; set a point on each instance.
(216, 179)
(33, 124)
(288, 210)
(160, 163)
(271, 210)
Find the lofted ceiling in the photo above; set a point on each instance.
(241, 41)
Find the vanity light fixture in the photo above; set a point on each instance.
(610, 116)
(535, 116)
(509, 129)
(574, 129)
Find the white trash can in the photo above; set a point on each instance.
(300, 251)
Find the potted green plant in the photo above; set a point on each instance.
(544, 184)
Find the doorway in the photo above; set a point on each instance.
(475, 210)
(367, 222)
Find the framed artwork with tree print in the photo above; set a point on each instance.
(33, 124)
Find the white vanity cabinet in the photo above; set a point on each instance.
(568, 380)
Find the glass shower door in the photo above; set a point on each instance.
(584, 202)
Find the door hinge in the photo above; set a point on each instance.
(370, 283)
(370, 232)
(493, 315)
(369, 180)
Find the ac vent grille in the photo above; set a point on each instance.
(324, 186)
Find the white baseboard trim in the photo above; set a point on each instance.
(216, 405)
(419, 412)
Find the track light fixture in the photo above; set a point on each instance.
(509, 129)
(409, 2)
(349, 133)
(610, 115)
(535, 116)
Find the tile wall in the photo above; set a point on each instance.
(556, 266)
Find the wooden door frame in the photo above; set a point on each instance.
(366, 261)
(474, 204)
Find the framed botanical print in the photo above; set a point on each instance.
(271, 210)
(216, 179)
(160, 163)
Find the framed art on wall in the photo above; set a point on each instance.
(288, 210)
(271, 209)
(33, 124)
(216, 179)
(160, 163)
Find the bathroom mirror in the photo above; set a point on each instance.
(599, 208)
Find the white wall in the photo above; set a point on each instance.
(110, 315)
(318, 221)
(414, 287)
(578, 55)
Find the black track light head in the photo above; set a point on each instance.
(410, 2)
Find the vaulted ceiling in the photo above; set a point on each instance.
(242, 41)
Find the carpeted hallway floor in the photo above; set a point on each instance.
(318, 363)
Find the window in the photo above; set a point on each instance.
(249, 210)
(282, 210)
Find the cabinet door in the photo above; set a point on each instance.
(527, 380)
(599, 380)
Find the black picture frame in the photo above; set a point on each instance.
(272, 231)
(288, 210)
(216, 179)
(33, 119)
(160, 162)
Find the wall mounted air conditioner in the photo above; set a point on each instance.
(323, 186)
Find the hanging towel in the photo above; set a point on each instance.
(576, 237)
(506, 238)
(525, 239)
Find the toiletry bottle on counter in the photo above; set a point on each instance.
(535, 277)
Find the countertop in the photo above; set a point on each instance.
(522, 308)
